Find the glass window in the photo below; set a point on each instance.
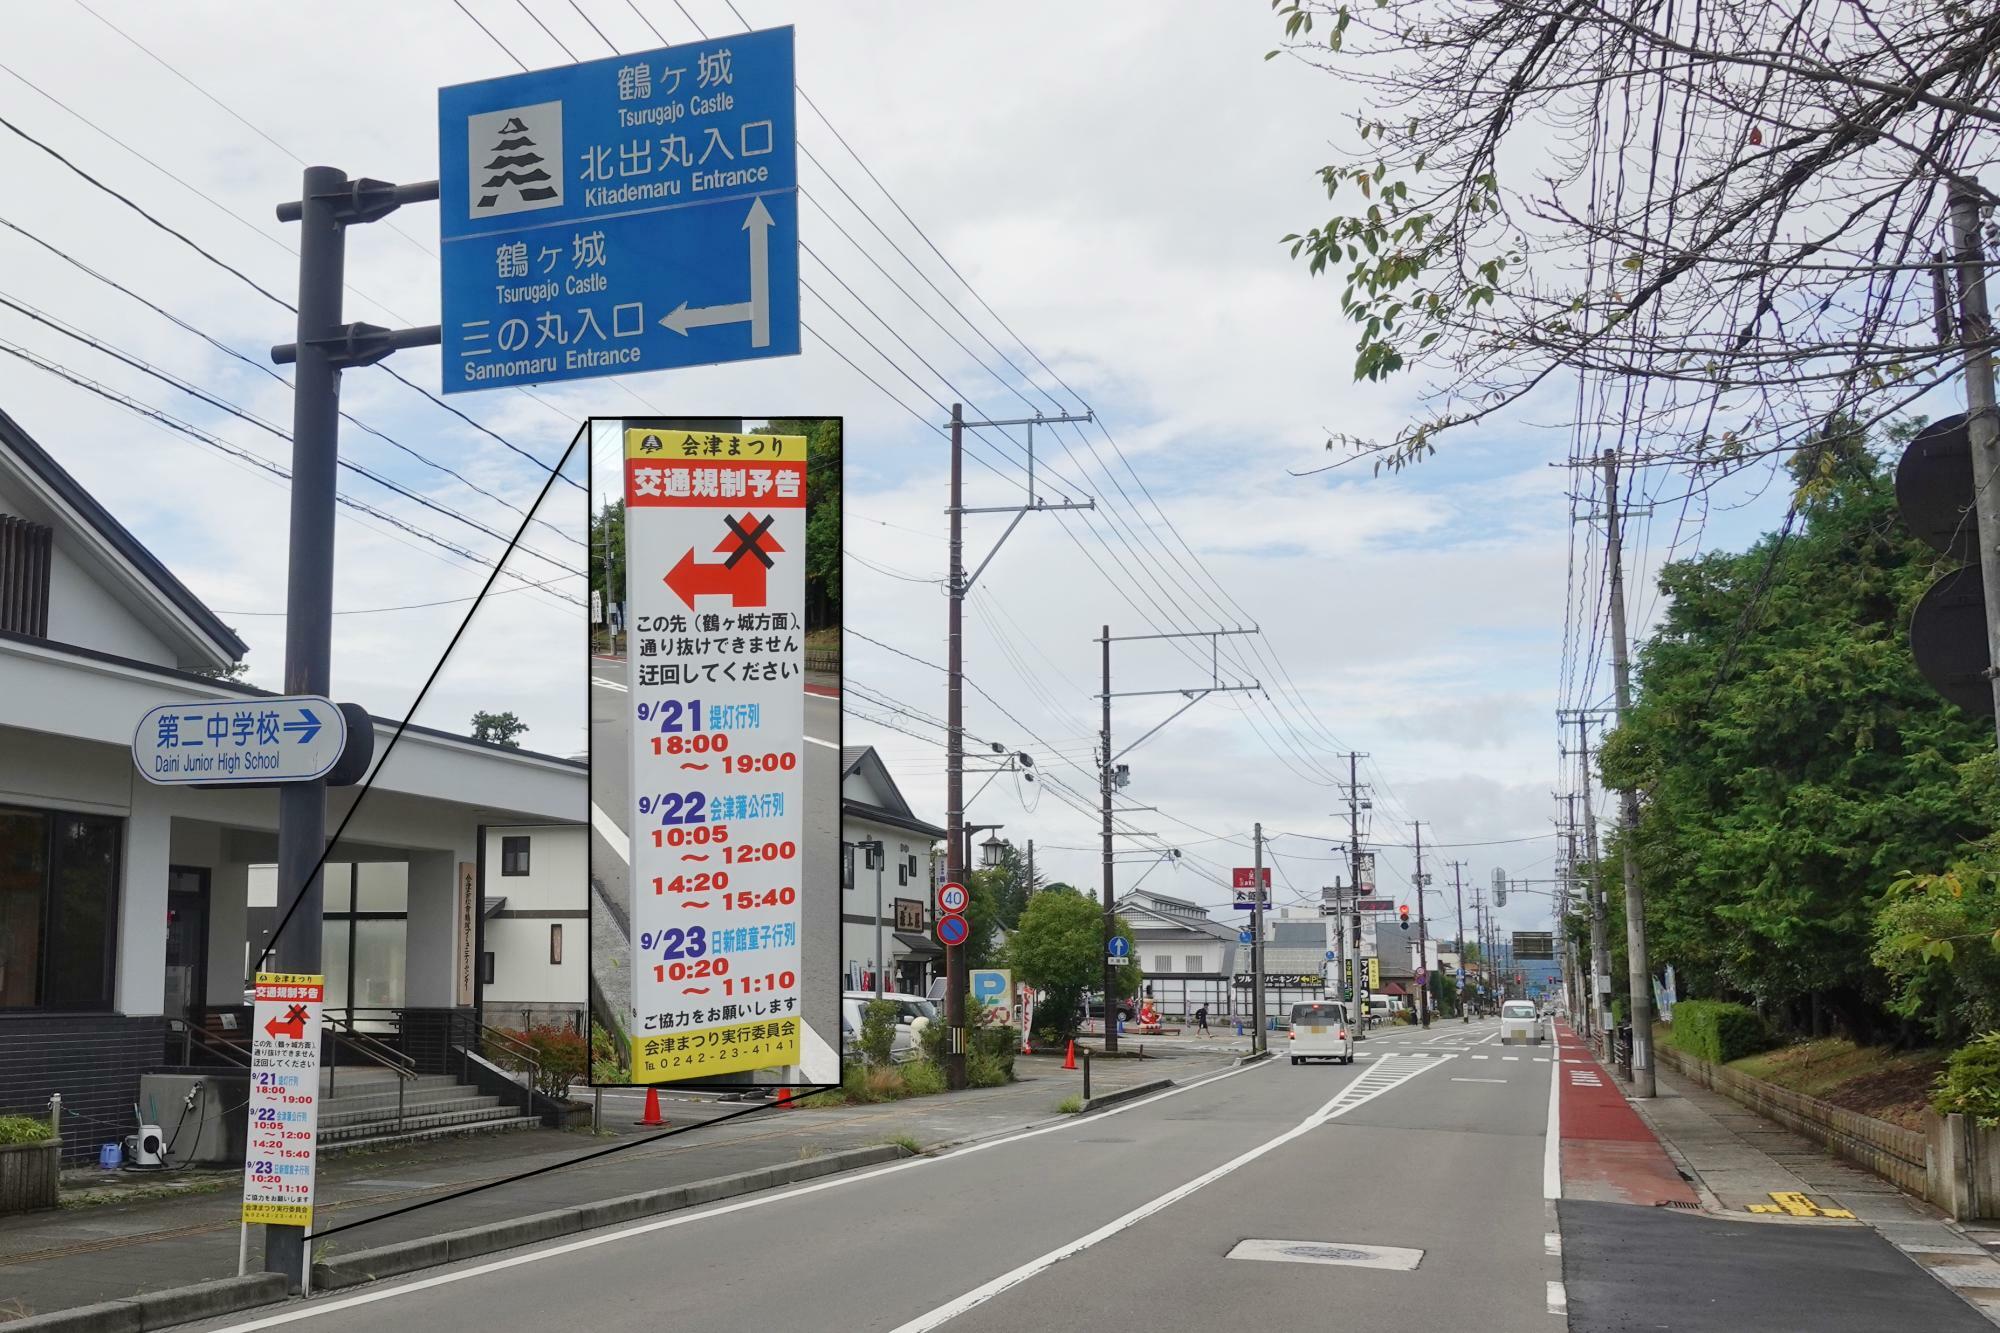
(1310, 1014)
(555, 943)
(58, 909)
(486, 968)
(514, 855)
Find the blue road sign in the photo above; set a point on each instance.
(990, 986)
(1243, 937)
(953, 930)
(622, 215)
(244, 742)
(1329, 955)
(1119, 947)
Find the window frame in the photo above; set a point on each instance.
(507, 864)
(53, 819)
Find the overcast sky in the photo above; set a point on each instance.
(1113, 182)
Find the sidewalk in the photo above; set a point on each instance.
(1769, 1224)
(79, 1256)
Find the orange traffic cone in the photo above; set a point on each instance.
(784, 1099)
(653, 1116)
(1069, 1058)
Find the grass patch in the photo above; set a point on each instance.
(1070, 1105)
(17, 1129)
(1872, 1080)
(908, 1144)
(808, 1151)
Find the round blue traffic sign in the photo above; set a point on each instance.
(1329, 955)
(1119, 947)
(953, 929)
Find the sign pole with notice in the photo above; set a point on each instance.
(715, 534)
(281, 1144)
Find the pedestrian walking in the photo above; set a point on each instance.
(1201, 1020)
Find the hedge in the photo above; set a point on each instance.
(1718, 1032)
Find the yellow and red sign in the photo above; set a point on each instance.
(281, 1150)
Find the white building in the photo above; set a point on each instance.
(1187, 956)
(125, 906)
(536, 959)
(886, 901)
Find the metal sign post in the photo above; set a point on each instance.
(715, 542)
(622, 215)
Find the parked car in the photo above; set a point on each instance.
(913, 1012)
(1379, 1009)
(1519, 1022)
(1093, 1007)
(1321, 1031)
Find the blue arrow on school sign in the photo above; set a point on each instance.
(622, 215)
(241, 742)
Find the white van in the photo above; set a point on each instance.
(1379, 1010)
(1519, 1022)
(1321, 1031)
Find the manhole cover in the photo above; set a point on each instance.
(1327, 1252)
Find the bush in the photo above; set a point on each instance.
(1970, 1082)
(921, 1078)
(1718, 1032)
(16, 1129)
(562, 1054)
(878, 1032)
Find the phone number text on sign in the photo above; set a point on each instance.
(715, 542)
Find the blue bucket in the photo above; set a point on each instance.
(111, 1156)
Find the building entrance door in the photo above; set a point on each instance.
(187, 940)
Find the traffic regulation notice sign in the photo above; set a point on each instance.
(243, 742)
(281, 1150)
(622, 215)
(715, 539)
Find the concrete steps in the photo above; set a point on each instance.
(361, 1111)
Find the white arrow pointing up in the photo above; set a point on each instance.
(756, 312)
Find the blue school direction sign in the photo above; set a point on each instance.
(622, 215)
(241, 742)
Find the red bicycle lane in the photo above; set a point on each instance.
(1608, 1152)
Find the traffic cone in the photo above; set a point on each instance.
(784, 1099)
(653, 1117)
(1069, 1060)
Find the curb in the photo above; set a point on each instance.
(1252, 1058)
(449, 1247)
(1127, 1094)
(161, 1309)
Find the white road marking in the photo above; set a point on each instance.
(1478, 1080)
(1558, 1299)
(1383, 1081)
(831, 745)
(609, 684)
(607, 829)
(1510, 1057)
(314, 1309)
(1482, 1057)
(1552, 1184)
(1553, 1242)
(1541, 1059)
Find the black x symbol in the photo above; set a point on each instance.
(297, 1014)
(748, 542)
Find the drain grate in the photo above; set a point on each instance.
(1678, 1203)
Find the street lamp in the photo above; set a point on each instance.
(990, 850)
(995, 843)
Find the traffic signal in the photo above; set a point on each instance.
(1403, 915)
(1934, 491)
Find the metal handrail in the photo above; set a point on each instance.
(517, 1048)
(402, 1062)
(192, 1036)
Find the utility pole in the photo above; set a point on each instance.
(1640, 972)
(1600, 949)
(1360, 1015)
(959, 584)
(1031, 869)
(1423, 949)
(1109, 773)
(328, 204)
(1975, 327)
(1258, 1043)
(1458, 898)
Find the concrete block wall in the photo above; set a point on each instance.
(93, 1060)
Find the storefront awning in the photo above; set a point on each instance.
(919, 946)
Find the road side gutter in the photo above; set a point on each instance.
(161, 1309)
(349, 1270)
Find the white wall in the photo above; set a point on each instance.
(522, 973)
(82, 610)
(558, 875)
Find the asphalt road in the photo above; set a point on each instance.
(610, 795)
(1121, 1220)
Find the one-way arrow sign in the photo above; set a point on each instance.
(308, 723)
(293, 1025)
(742, 581)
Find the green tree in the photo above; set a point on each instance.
(498, 728)
(1791, 761)
(1059, 950)
(823, 455)
(982, 913)
(607, 555)
(1010, 885)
